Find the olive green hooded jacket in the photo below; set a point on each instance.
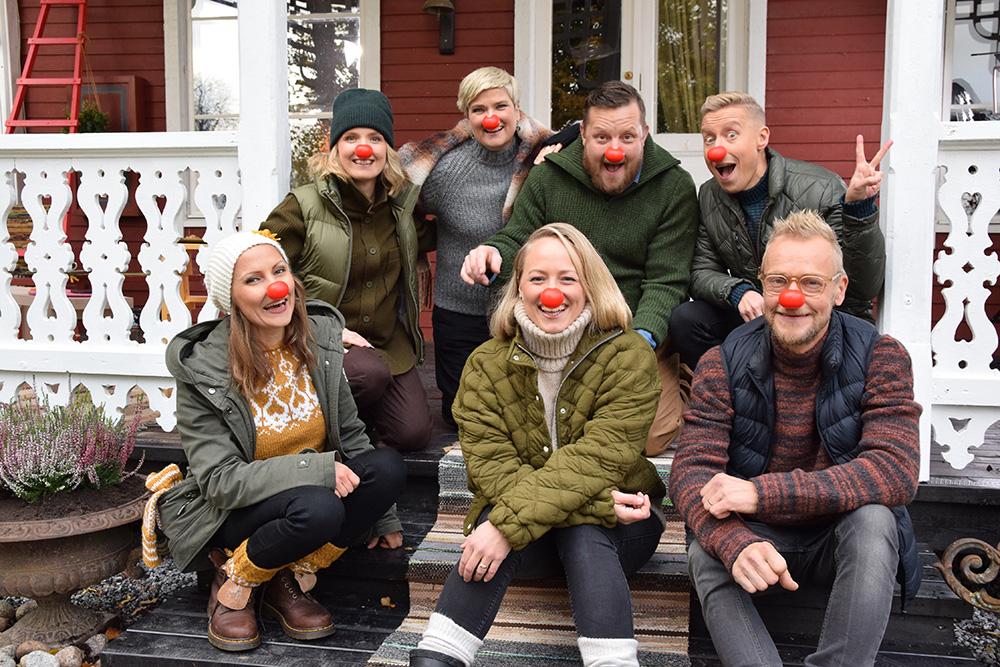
(724, 256)
(605, 406)
(218, 436)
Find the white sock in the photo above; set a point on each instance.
(448, 637)
(601, 652)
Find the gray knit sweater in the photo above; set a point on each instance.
(466, 191)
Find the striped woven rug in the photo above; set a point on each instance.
(535, 626)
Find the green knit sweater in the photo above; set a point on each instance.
(646, 234)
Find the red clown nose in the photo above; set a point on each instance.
(614, 155)
(491, 122)
(716, 154)
(551, 297)
(278, 290)
(363, 151)
(791, 298)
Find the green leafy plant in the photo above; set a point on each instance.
(46, 450)
(92, 119)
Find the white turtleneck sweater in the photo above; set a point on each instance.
(551, 353)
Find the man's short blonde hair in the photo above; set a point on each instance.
(805, 225)
(482, 79)
(732, 98)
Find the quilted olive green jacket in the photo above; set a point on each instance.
(605, 406)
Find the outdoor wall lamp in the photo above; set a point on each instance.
(445, 11)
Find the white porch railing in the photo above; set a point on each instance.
(966, 390)
(177, 173)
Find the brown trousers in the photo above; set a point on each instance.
(394, 405)
(675, 390)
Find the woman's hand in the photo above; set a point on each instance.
(545, 150)
(630, 507)
(482, 552)
(387, 541)
(347, 481)
(352, 338)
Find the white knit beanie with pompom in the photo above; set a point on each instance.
(225, 252)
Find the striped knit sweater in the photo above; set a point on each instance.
(801, 484)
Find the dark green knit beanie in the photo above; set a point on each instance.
(360, 107)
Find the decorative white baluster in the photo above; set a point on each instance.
(48, 254)
(162, 257)
(218, 196)
(105, 255)
(969, 197)
(10, 312)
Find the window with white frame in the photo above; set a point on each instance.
(326, 39)
(972, 47)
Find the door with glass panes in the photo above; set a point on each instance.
(675, 52)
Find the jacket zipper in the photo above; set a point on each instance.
(570, 371)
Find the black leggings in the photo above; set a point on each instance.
(294, 523)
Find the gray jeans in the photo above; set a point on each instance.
(856, 556)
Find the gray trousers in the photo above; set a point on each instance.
(856, 557)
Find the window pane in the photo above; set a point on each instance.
(213, 9)
(975, 65)
(305, 7)
(309, 136)
(216, 84)
(586, 52)
(323, 59)
(691, 37)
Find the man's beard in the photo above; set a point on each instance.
(812, 334)
(599, 178)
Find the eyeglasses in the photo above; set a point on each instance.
(810, 285)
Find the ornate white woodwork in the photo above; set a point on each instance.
(954, 166)
(179, 175)
(10, 312)
(965, 387)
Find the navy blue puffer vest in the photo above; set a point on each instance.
(746, 357)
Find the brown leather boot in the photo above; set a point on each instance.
(229, 629)
(299, 613)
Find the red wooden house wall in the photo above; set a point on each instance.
(124, 38)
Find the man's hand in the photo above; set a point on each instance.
(630, 507)
(482, 552)
(387, 541)
(759, 566)
(751, 305)
(352, 338)
(725, 494)
(346, 482)
(867, 178)
(480, 260)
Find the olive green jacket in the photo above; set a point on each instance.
(724, 256)
(605, 405)
(318, 246)
(218, 436)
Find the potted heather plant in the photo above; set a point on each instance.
(69, 511)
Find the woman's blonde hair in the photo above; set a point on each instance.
(482, 79)
(608, 307)
(324, 163)
(248, 364)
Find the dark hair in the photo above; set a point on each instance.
(612, 95)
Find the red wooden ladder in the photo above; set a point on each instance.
(26, 80)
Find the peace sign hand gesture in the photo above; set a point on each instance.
(867, 178)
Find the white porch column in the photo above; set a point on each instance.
(265, 145)
(912, 119)
(10, 57)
